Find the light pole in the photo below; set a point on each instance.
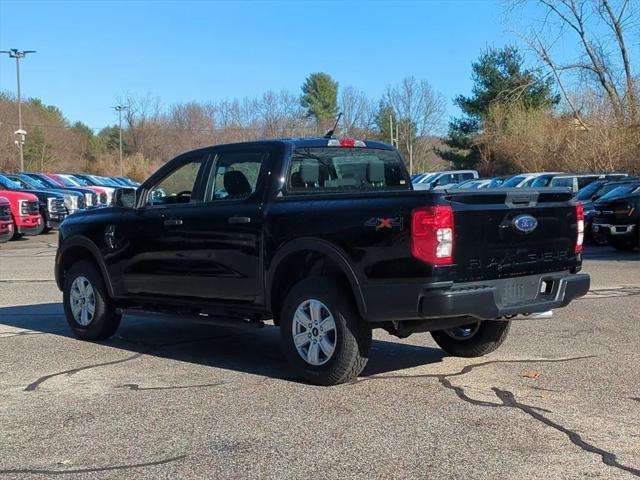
(18, 54)
(120, 109)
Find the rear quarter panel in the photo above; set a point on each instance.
(373, 231)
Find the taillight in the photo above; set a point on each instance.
(580, 227)
(432, 234)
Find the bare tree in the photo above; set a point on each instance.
(419, 111)
(353, 104)
(603, 60)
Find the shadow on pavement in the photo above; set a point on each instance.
(256, 351)
(609, 253)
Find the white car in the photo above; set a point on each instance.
(442, 180)
(524, 179)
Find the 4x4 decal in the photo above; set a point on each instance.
(379, 223)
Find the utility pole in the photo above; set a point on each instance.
(21, 133)
(120, 109)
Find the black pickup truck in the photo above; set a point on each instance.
(327, 238)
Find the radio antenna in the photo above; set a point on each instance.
(331, 132)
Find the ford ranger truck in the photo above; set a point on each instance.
(25, 213)
(6, 223)
(327, 238)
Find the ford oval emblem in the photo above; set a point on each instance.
(525, 223)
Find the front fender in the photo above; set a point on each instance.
(78, 247)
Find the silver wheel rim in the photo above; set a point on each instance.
(314, 332)
(465, 332)
(83, 301)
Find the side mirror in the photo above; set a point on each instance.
(124, 197)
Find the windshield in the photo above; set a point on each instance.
(104, 181)
(65, 181)
(621, 191)
(608, 187)
(40, 183)
(324, 169)
(496, 182)
(514, 181)
(470, 185)
(587, 192)
(8, 183)
(25, 183)
(541, 182)
(81, 181)
(427, 178)
(44, 180)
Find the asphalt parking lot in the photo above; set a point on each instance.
(167, 399)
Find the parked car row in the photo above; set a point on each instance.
(610, 201)
(34, 203)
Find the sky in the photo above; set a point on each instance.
(89, 53)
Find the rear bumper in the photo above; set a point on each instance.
(483, 300)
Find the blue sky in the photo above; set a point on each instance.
(89, 53)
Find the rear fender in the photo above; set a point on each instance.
(331, 251)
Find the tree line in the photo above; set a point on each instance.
(578, 114)
(154, 133)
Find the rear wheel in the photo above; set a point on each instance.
(323, 336)
(87, 306)
(472, 340)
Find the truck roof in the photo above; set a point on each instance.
(310, 143)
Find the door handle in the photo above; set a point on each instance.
(239, 220)
(172, 222)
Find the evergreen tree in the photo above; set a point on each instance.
(499, 77)
(320, 98)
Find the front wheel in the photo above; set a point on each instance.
(323, 336)
(89, 310)
(16, 235)
(472, 340)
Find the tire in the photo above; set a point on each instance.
(104, 322)
(625, 246)
(350, 337)
(16, 234)
(484, 338)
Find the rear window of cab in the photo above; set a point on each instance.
(340, 169)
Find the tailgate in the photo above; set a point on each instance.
(513, 232)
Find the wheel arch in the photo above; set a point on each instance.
(296, 259)
(75, 249)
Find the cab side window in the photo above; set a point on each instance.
(234, 175)
(178, 186)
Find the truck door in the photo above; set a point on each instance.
(224, 233)
(155, 263)
(212, 248)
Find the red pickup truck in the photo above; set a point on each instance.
(25, 213)
(6, 224)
